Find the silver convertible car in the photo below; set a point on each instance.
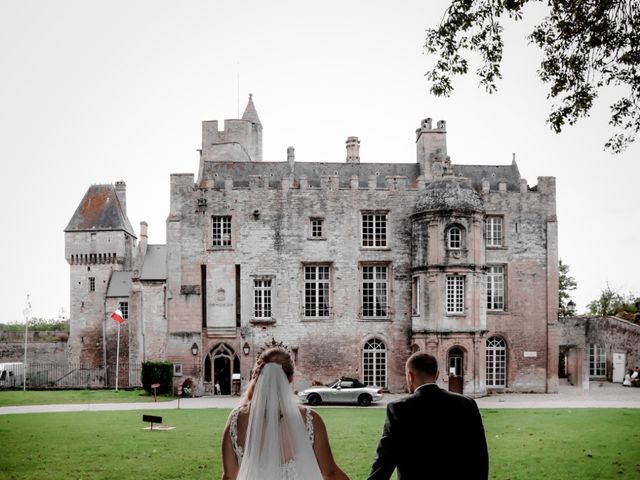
(343, 390)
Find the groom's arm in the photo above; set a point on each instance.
(386, 453)
(478, 453)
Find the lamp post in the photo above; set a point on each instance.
(571, 307)
(27, 314)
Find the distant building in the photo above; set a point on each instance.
(597, 349)
(350, 265)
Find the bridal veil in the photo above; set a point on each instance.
(277, 443)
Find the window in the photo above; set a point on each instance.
(262, 298)
(374, 363)
(495, 288)
(597, 361)
(455, 294)
(124, 308)
(317, 228)
(177, 369)
(374, 230)
(496, 365)
(493, 231)
(374, 291)
(92, 284)
(222, 231)
(415, 296)
(316, 290)
(454, 238)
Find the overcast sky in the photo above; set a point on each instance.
(95, 92)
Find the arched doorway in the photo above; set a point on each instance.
(219, 365)
(456, 362)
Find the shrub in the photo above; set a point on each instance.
(157, 372)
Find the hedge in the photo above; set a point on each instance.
(157, 372)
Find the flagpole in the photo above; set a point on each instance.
(27, 314)
(117, 356)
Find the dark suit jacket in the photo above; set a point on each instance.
(432, 434)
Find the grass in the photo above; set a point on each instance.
(523, 444)
(51, 397)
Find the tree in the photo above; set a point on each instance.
(607, 304)
(612, 302)
(586, 45)
(566, 285)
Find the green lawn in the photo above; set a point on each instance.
(51, 397)
(524, 444)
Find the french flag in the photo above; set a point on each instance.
(117, 316)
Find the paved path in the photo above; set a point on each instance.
(600, 395)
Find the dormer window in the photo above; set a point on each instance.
(454, 238)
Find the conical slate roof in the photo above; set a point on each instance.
(250, 112)
(100, 209)
(449, 193)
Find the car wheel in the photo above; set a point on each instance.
(364, 400)
(314, 400)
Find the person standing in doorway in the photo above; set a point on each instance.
(432, 433)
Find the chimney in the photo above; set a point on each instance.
(143, 230)
(353, 150)
(430, 143)
(291, 158)
(142, 250)
(121, 192)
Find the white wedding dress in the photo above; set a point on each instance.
(279, 443)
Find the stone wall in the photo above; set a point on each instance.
(614, 334)
(275, 242)
(270, 237)
(42, 347)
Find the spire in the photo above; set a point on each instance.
(250, 113)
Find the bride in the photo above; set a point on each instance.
(269, 436)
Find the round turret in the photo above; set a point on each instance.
(449, 193)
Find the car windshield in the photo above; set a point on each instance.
(345, 383)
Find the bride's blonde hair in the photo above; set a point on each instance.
(271, 355)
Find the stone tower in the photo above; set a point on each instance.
(99, 240)
(239, 141)
(448, 256)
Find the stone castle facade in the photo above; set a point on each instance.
(350, 265)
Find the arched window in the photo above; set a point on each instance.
(454, 238)
(496, 362)
(374, 363)
(456, 361)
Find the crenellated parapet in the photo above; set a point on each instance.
(240, 140)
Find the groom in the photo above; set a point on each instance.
(431, 434)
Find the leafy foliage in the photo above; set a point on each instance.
(566, 285)
(586, 45)
(37, 325)
(612, 302)
(157, 372)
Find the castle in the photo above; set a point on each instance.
(352, 266)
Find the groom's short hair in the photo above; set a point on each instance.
(423, 363)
